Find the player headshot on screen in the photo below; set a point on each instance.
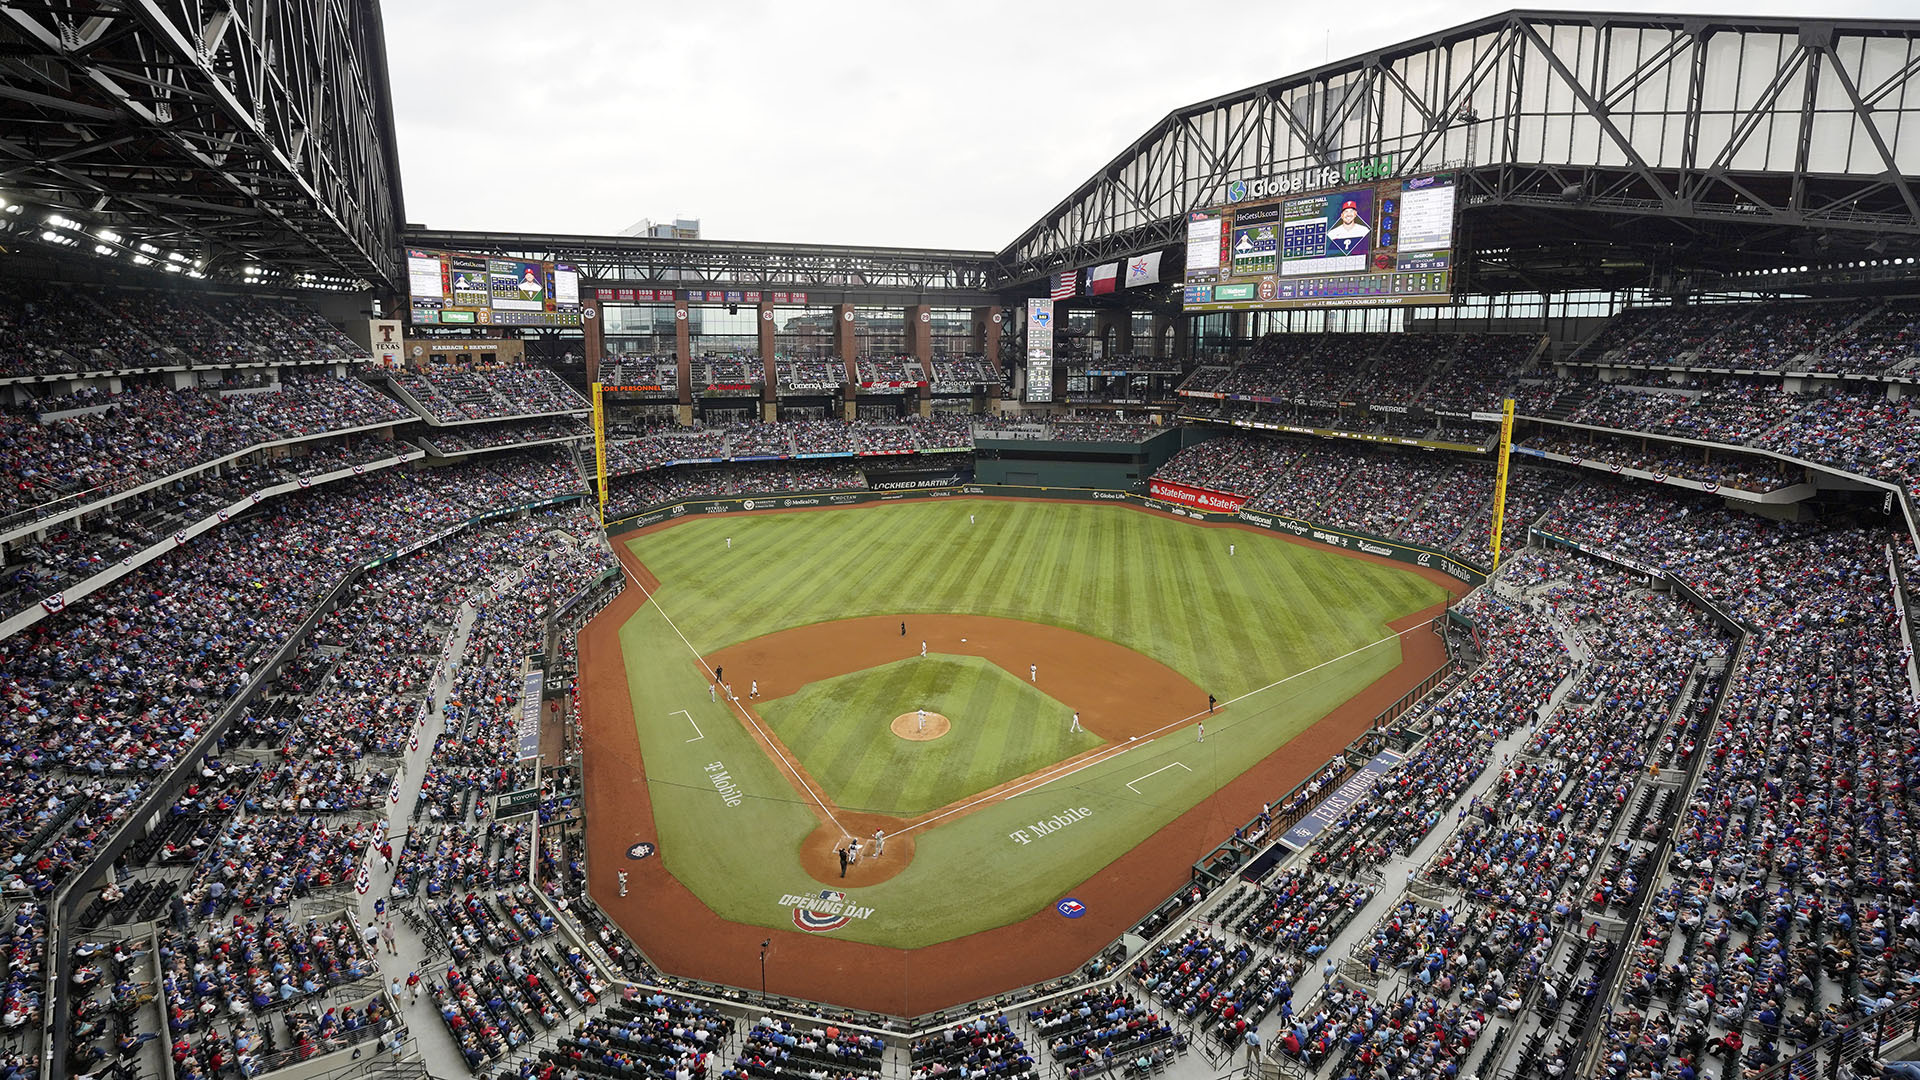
(1350, 230)
(529, 285)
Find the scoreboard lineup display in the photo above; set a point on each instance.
(1384, 241)
(449, 289)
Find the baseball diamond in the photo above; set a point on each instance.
(1130, 617)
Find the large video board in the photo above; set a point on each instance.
(1351, 237)
(453, 289)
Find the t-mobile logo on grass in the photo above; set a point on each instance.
(1052, 825)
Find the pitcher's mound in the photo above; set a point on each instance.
(907, 726)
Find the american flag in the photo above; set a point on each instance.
(1063, 285)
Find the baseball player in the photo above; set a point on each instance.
(1076, 723)
(879, 843)
(713, 692)
(623, 883)
(729, 543)
(1202, 729)
(923, 650)
(1033, 672)
(1229, 549)
(753, 688)
(923, 721)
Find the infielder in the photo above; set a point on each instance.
(923, 650)
(753, 688)
(1033, 672)
(1076, 723)
(923, 721)
(1202, 729)
(879, 843)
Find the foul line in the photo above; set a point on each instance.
(1153, 774)
(735, 702)
(1061, 772)
(697, 733)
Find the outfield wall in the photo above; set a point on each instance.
(1398, 551)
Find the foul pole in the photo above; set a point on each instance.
(600, 451)
(1499, 477)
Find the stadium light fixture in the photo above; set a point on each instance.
(61, 221)
(149, 249)
(174, 256)
(102, 249)
(108, 235)
(142, 260)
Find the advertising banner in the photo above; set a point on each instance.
(1333, 806)
(1197, 498)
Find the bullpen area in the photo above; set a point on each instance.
(1013, 694)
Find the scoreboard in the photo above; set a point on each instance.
(1371, 241)
(454, 289)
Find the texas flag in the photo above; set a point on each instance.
(1103, 279)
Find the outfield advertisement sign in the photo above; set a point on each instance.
(1195, 498)
(1343, 799)
(1183, 500)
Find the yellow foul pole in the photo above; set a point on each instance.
(600, 450)
(1499, 477)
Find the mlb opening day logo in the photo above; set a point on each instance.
(823, 912)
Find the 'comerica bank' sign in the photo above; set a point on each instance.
(1347, 172)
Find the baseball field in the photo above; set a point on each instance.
(1000, 620)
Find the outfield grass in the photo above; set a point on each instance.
(1303, 626)
(1159, 586)
(1003, 728)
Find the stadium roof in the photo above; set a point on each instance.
(231, 137)
(1594, 148)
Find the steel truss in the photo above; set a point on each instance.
(236, 132)
(1771, 132)
(855, 272)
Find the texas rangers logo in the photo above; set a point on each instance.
(1071, 908)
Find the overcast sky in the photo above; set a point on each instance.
(906, 123)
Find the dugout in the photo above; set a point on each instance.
(1115, 466)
